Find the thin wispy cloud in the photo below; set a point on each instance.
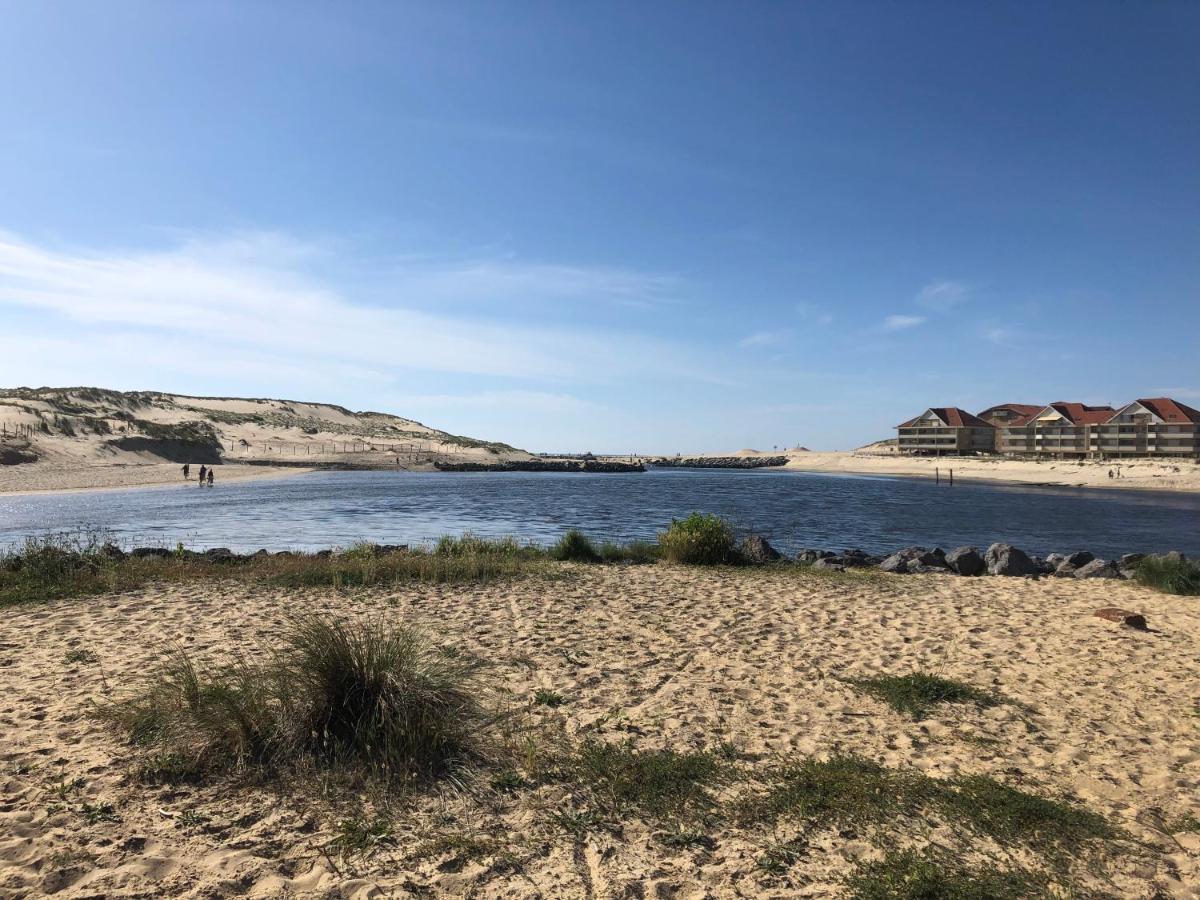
(901, 322)
(762, 339)
(812, 313)
(943, 296)
(255, 296)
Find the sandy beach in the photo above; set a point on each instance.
(42, 477)
(665, 657)
(1136, 474)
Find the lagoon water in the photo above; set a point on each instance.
(792, 509)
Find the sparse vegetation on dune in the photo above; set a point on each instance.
(64, 565)
(1170, 574)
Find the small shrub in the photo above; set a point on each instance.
(699, 539)
(1171, 575)
(916, 694)
(547, 697)
(575, 546)
(95, 813)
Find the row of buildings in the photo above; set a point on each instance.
(1158, 426)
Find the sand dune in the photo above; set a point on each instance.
(669, 657)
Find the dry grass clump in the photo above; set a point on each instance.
(372, 698)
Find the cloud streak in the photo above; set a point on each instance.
(900, 322)
(943, 296)
(255, 296)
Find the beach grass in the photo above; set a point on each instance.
(700, 539)
(365, 697)
(1170, 574)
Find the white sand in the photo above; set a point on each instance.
(662, 656)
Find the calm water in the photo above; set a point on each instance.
(793, 509)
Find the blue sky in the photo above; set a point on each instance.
(609, 226)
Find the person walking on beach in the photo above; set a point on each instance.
(210, 471)
(186, 469)
(202, 476)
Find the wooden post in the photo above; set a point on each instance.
(937, 475)
(951, 478)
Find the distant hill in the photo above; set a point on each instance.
(93, 422)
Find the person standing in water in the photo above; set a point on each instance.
(187, 467)
(210, 471)
(202, 476)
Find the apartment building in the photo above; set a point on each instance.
(946, 430)
(1157, 427)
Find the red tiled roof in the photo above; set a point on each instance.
(1081, 414)
(1171, 410)
(953, 417)
(1025, 413)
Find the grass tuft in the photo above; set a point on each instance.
(366, 697)
(1171, 575)
(918, 693)
(700, 539)
(575, 546)
(359, 836)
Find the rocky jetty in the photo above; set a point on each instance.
(543, 465)
(719, 462)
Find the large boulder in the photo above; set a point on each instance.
(1098, 568)
(1005, 559)
(808, 556)
(1130, 560)
(141, 552)
(857, 559)
(1054, 560)
(966, 561)
(756, 551)
(911, 559)
(1080, 558)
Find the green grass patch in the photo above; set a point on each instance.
(841, 790)
(1008, 815)
(658, 784)
(921, 876)
(363, 697)
(699, 540)
(918, 693)
(851, 791)
(1171, 575)
(547, 697)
